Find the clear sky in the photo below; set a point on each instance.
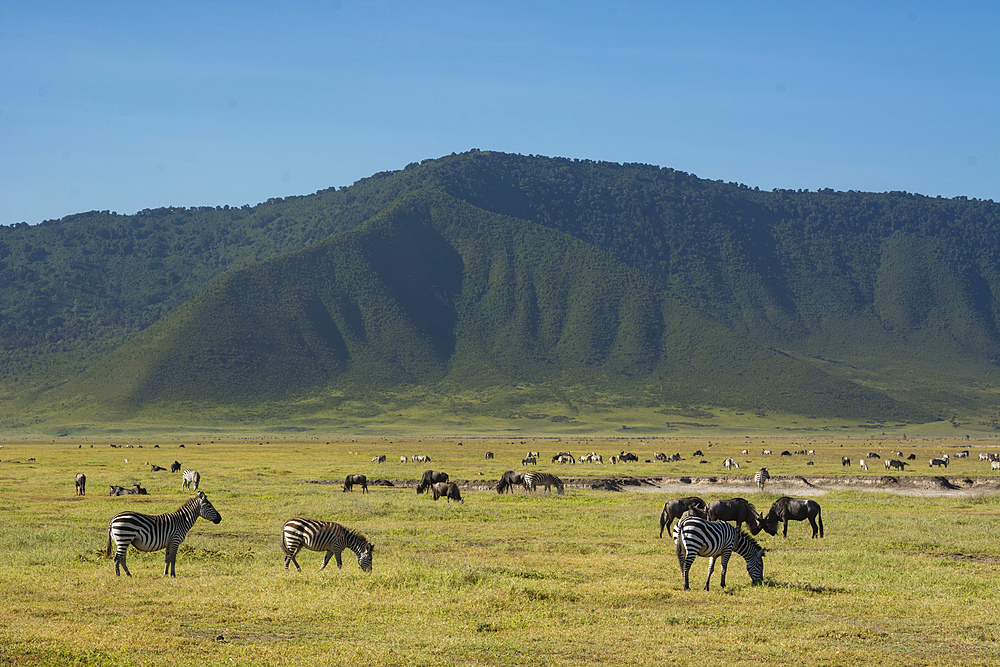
(139, 104)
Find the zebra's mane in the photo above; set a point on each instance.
(354, 536)
(750, 538)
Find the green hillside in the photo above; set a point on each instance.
(436, 291)
(894, 292)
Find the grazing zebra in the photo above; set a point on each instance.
(529, 459)
(731, 463)
(695, 536)
(379, 459)
(81, 484)
(864, 466)
(325, 536)
(152, 533)
(531, 480)
(190, 478)
(760, 477)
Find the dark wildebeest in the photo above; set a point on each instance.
(489, 455)
(625, 457)
(938, 462)
(845, 461)
(431, 477)
(740, 511)
(448, 490)
(529, 459)
(508, 481)
(81, 484)
(673, 509)
(356, 479)
(175, 466)
(894, 463)
(122, 491)
(787, 509)
(155, 468)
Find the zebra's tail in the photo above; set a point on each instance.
(110, 548)
(681, 546)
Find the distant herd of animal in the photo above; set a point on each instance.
(702, 529)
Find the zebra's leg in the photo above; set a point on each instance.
(120, 560)
(686, 571)
(711, 568)
(725, 564)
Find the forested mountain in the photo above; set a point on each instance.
(486, 268)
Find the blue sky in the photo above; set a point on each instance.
(131, 105)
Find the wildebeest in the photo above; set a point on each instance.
(351, 480)
(155, 468)
(894, 463)
(175, 467)
(529, 459)
(431, 477)
(627, 456)
(911, 457)
(674, 509)
(508, 481)
(122, 491)
(190, 478)
(81, 484)
(787, 509)
(447, 489)
(938, 462)
(741, 511)
(873, 455)
(489, 455)
(379, 459)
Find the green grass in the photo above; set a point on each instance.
(498, 580)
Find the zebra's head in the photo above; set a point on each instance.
(206, 510)
(753, 553)
(365, 556)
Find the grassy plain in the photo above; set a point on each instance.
(498, 580)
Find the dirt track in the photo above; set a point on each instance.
(792, 485)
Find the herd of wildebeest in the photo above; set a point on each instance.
(738, 511)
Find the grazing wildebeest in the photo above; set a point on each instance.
(447, 489)
(489, 455)
(787, 509)
(938, 462)
(740, 511)
(190, 478)
(673, 509)
(379, 459)
(627, 456)
(845, 461)
(894, 463)
(911, 457)
(786, 453)
(431, 477)
(509, 480)
(351, 480)
(698, 452)
(175, 467)
(81, 484)
(873, 455)
(529, 459)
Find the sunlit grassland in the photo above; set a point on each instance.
(515, 579)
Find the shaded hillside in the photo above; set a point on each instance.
(436, 290)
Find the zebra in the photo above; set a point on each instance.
(81, 484)
(327, 536)
(189, 478)
(152, 533)
(761, 477)
(531, 480)
(695, 536)
(731, 463)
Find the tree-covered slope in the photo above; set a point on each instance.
(435, 290)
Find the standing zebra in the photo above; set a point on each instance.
(700, 537)
(531, 480)
(190, 478)
(81, 484)
(152, 533)
(760, 477)
(325, 536)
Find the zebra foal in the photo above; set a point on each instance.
(695, 536)
(325, 536)
(152, 533)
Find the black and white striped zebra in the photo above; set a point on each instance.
(695, 536)
(152, 533)
(190, 478)
(532, 480)
(325, 536)
(761, 476)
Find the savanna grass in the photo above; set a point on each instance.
(504, 580)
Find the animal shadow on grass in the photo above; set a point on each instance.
(803, 588)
